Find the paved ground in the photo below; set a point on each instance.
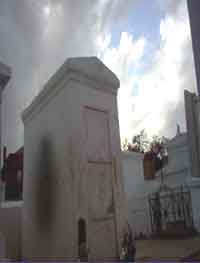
(168, 249)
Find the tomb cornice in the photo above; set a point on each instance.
(70, 72)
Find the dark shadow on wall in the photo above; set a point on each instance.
(46, 186)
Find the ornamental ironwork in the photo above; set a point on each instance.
(171, 210)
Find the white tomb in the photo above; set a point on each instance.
(73, 190)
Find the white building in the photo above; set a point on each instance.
(73, 191)
(177, 173)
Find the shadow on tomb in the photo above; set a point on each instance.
(45, 189)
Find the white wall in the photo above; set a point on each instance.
(177, 173)
(133, 175)
(178, 154)
(132, 165)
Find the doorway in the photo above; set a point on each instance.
(82, 240)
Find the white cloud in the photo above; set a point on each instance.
(161, 89)
(158, 105)
(120, 60)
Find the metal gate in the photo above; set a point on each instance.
(171, 210)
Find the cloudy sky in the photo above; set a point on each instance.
(146, 43)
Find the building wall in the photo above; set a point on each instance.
(48, 219)
(192, 112)
(132, 167)
(134, 183)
